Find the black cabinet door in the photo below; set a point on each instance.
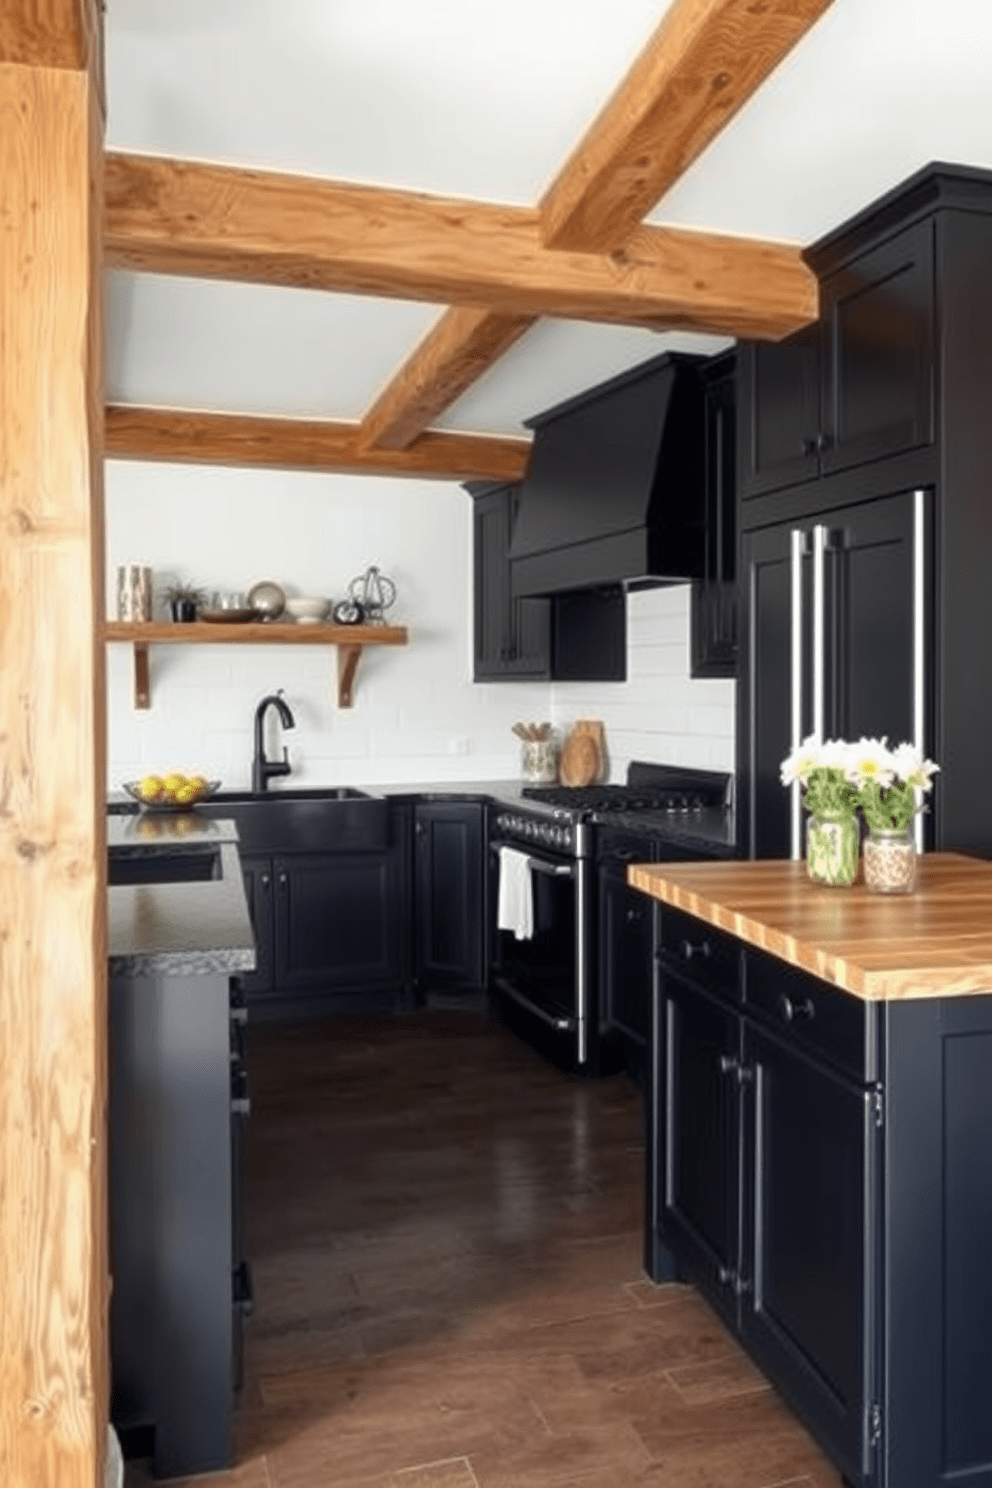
(450, 895)
(779, 413)
(866, 671)
(700, 1148)
(257, 874)
(625, 943)
(713, 615)
(512, 636)
(811, 1251)
(337, 924)
(856, 387)
(878, 352)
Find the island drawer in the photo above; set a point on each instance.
(697, 953)
(807, 1011)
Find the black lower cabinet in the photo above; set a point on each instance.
(331, 928)
(810, 1253)
(625, 938)
(257, 874)
(700, 1164)
(180, 1279)
(336, 924)
(821, 1168)
(450, 897)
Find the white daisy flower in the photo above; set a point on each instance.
(912, 768)
(871, 760)
(801, 762)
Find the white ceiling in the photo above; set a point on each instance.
(485, 99)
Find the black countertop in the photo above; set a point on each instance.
(178, 929)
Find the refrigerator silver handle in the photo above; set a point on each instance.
(820, 536)
(919, 639)
(797, 550)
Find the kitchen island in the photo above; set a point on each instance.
(179, 932)
(820, 1146)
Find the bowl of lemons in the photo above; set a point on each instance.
(171, 792)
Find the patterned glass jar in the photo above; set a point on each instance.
(832, 848)
(890, 861)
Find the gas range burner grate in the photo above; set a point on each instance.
(617, 798)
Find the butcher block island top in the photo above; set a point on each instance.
(935, 942)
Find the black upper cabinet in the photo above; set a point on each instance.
(779, 412)
(512, 636)
(857, 387)
(575, 636)
(713, 615)
(877, 394)
(450, 895)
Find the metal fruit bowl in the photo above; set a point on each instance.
(171, 797)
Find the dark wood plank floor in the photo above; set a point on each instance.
(446, 1244)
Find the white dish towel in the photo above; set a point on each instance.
(515, 910)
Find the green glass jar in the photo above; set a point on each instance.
(832, 848)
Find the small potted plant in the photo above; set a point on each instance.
(183, 601)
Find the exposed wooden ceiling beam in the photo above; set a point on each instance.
(51, 33)
(176, 217)
(194, 438)
(452, 356)
(706, 58)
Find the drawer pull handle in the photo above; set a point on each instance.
(791, 1012)
(689, 950)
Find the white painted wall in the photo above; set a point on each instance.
(417, 715)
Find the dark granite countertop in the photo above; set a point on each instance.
(178, 929)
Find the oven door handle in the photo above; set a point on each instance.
(538, 865)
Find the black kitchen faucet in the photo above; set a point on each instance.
(262, 769)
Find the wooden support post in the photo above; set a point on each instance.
(53, 958)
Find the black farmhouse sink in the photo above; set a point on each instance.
(332, 819)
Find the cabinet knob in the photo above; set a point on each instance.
(729, 1064)
(808, 447)
(632, 915)
(689, 950)
(265, 880)
(790, 1011)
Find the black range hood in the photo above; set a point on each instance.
(615, 489)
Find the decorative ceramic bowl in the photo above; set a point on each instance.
(171, 792)
(307, 609)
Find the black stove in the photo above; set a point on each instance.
(659, 790)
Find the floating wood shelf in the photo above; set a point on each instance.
(350, 641)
